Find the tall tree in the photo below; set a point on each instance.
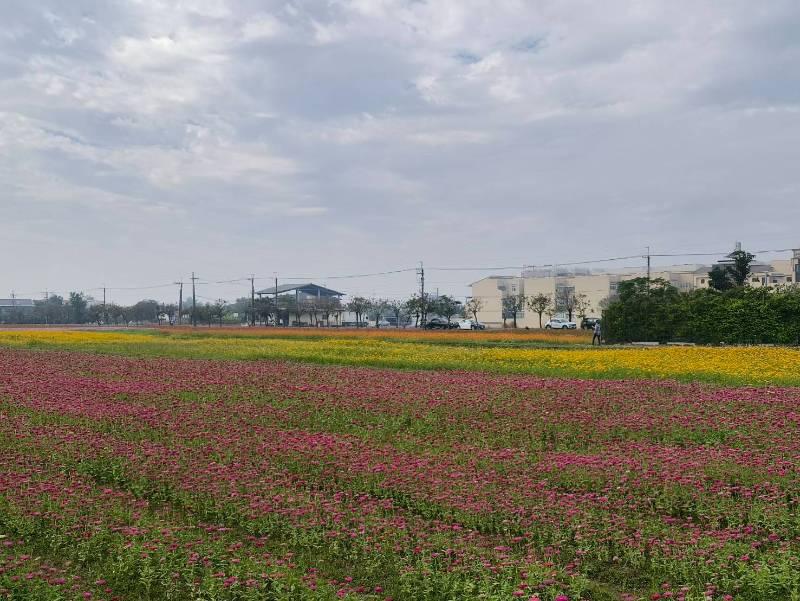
(539, 304)
(719, 278)
(419, 306)
(96, 314)
(378, 307)
(360, 306)
(217, 310)
(565, 301)
(741, 266)
(447, 306)
(78, 304)
(582, 305)
(398, 309)
(265, 307)
(473, 306)
(513, 305)
(145, 311)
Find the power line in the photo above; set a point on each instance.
(253, 278)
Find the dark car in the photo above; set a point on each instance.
(436, 323)
(588, 323)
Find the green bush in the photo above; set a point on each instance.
(740, 315)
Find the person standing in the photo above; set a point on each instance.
(597, 334)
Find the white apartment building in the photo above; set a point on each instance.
(599, 287)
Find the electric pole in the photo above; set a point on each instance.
(252, 300)
(46, 308)
(180, 303)
(104, 304)
(276, 301)
(194, 301)
(648, 266)
(423, 302)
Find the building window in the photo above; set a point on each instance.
(789, 279)
(755, 280)
(702, 280)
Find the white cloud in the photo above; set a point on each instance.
(492, 122)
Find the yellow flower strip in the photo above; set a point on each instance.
(755, 365)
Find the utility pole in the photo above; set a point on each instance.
(275, 321)
(46, 309)
(423, 303)
(104, 302)
(252, 300)
(180, 303)
(194, 302)
(648, 266)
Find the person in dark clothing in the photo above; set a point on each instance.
(597, 334)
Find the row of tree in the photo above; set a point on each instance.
(79, 308)
(565, 301)
(328, 310)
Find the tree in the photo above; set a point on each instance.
(78, 304)
(96, 314)
(740, 268)
(265, 307)
(398, 309)
(566, 301)
(446, 306)
(145, 311)
(117, 313)
(539, 304)
(513, 305)
(358, 305)
(645, 311)
(719, 278)
(418, 306)
(473, 306)
(217, 310)
(378, 307)
(327, 305)
(582, 305)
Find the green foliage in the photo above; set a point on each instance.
(78, 304)
(740, 269)
(719, 278)
(643, 311)
(739, 315)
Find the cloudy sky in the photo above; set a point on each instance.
(144, 139)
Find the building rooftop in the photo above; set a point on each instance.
(307, 288)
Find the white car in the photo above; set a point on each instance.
(470, 324)
(560, 324)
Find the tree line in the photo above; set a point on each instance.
(78, 308)
(729, 311)
(565, 301)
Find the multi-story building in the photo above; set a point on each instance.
(597, 288)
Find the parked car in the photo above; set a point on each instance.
(383, 323)
(470, 324)
(588, 323)
(560, 324)
(437, 323)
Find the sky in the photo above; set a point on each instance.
(142, 140)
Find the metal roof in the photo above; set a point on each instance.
(16, 302)
(307, 288)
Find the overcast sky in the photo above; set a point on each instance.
(144, 139)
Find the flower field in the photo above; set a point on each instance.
(495, 352)
(127, 472)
